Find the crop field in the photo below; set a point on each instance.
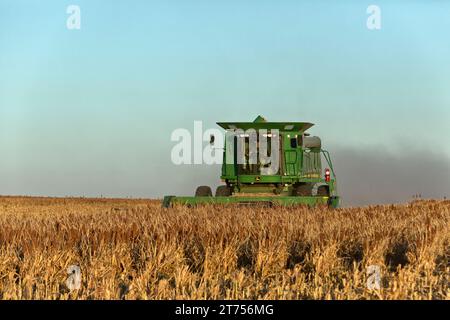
(134, 249)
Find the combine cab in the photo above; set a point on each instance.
(274, 163)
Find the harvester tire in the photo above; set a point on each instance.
(203, 191)
(223, 191)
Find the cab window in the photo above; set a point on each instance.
(293, 143)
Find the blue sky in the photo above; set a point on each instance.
(90, 111)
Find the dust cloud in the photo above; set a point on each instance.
(378, 176)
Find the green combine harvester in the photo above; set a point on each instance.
(297, 179)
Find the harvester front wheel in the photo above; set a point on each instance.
(203, 191)
(223, 191)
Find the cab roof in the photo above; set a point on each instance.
(261, 123)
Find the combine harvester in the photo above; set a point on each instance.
(297, 179)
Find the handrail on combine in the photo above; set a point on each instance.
(327, 157)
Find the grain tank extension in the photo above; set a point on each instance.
(296, 179)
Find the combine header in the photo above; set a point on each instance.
(275, 163)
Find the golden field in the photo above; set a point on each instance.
(134, 249)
